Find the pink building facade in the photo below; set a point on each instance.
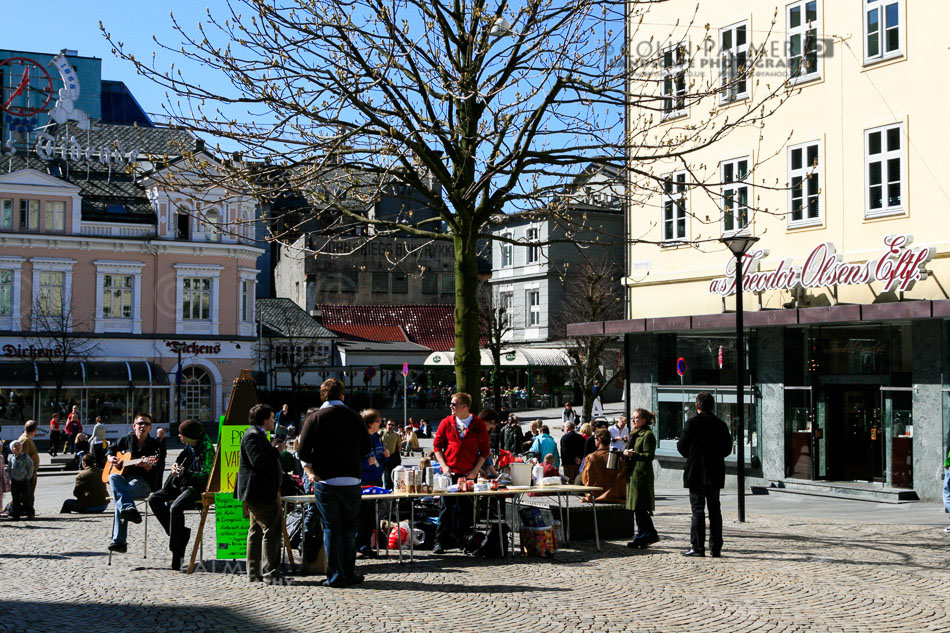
(152, 289)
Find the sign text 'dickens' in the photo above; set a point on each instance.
(193, 348)
(898, 268)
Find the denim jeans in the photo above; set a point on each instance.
(125, 492)
(946, 490)
(339, 508)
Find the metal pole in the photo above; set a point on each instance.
(740, 380)
(405, 405)
(178, 390)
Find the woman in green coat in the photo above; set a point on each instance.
(640, 451)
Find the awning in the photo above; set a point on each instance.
(83, 374)
(522, 357)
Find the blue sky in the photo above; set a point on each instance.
(47, 26)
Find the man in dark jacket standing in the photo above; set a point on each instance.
(258, 482)
(332, 442)
(512, 437)
(705, 443)
(572, 451)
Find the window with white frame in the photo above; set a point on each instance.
(802, 40)
(534, 251)
(55, 217)
(196, 299)
(674, 81)
(6, 293)
(884, 158)
(735, 194)
(804, 180)
(674, 207)
(212, 230)
(6, 213)
(883, 38)
(506, 251)
(505, 303)
(117, 294)
(29, 215)
(51, 300)
(247, 300)
(734, 53)
(533, 300)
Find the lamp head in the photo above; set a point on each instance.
(739, 244)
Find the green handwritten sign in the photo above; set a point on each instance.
(230, 527)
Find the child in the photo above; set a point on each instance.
(4, 478)
(550, 470)
(20, 469)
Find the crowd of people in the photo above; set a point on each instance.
(340, 451)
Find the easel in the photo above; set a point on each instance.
(243, 397)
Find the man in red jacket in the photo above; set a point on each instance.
(461, 445)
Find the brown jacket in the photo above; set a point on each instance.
(90, 490)
(29, 448)
(613, 482)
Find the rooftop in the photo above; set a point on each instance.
(430, 325)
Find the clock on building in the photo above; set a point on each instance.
(27, 87)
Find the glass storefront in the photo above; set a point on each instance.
(674, 406)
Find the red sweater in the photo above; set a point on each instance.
(461, 454)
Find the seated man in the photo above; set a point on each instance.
(188, 479)
(410, 443)
(613, 482)
(91, 496)
(136, 480)
(82, 448)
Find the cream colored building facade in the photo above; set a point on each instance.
(847, 363)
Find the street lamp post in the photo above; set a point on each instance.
(739, 245)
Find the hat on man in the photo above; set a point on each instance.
(191, 429)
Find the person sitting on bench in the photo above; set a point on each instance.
(188, 479)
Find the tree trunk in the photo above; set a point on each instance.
(467, 359)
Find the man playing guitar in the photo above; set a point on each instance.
(184, 486)
(134, 482)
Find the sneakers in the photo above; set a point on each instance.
(947, 529)
(132, 515)
(118, 548)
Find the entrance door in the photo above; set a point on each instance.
(855, 434)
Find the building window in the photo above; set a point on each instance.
(430, 283)
(55, 216)
(734, 52)
(803, 40)
(504, 310)
(182, 226)
(117, 296)
(448, 283)
(6, 293)
(400, 283)
(804, 178)
(212, 230)
(6, 213)
(882, 30)
(533, 300)
(381, 282)
(506, 251)
(196, 394)
(885, 171)
(247, 300)
(674, 82)
(674, 207)
(196, 299)
(51, 298)
(735, 195)
(534, 252)
(29, 215)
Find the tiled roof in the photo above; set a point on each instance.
(282, 317)
(430, 325)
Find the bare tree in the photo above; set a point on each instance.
(592, 292)
(496, 321)
(485, 108)
(60, 339)
(290, 341)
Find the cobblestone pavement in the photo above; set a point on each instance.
(781, 572)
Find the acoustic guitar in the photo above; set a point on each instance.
(123, 461)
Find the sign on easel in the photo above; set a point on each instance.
(230, 524)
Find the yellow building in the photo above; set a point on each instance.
(844, 186)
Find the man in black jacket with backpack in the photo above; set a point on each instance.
(332, 442)
(705, 443)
